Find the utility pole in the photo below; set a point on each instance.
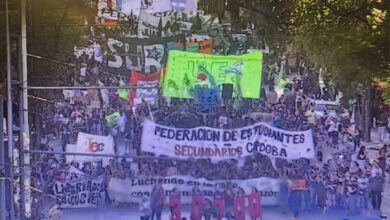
(9, 115)
(25, 141)
(3, 210)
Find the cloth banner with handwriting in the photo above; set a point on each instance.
(186, 71)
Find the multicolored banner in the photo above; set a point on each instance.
(90, 144)
(187, 71)
(143, 93)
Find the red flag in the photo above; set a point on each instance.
(144, 88)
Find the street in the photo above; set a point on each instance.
(269, 214)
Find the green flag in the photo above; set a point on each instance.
(123, 93)
(112, 120)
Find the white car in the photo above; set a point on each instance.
(330, 106)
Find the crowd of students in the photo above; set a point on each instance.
(345, 179)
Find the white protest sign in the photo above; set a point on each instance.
(152, 25)
(90, 144)
(77, 194)
(132, 190)
(220, 144)
(154, 6)
(124, 10)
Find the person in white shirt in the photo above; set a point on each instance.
(376, 170)
(144, 208)
(122, 123)
(311, 117)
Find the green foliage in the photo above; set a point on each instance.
(348, 37)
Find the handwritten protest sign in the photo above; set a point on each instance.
(132, 190)
(187, 70)
(219, 144)
(141, 93)
(77, 194)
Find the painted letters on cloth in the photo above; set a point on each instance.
(155, 24)
(91, 144)
(138, 54)
(132, 190)
(139, 95)
(220, 144)
(113, 11)
(77, 194)
(186, 70)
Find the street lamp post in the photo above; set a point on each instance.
(9, 115)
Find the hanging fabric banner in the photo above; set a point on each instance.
(144, 94)
(186, 71)
(221, 144)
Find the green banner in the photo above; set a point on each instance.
(186, 71)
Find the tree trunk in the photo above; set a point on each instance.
(234, 9)
(368, 118)
(58, 28)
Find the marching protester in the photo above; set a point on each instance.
(197, 204)
(157, 201)
(382, 122)
(219, 203)
(175, 204)
(295, 202)
(254, 204)
(376, 184)
(145, 209)
(229, 198)
(239, 205)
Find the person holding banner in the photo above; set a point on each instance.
(175, 204)
(295, 202)
(254, 203)
(239, 205)
(229, 198)
(219, 203)
(208, 209)
(157, 201)
(197, 204)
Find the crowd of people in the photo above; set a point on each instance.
(341, 176)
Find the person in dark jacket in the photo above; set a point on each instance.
(376, 188)
(157, 201)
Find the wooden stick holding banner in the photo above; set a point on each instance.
(150, 112)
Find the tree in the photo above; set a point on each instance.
(347, 37)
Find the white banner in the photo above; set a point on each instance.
(219, 144)
(77, 194)
(126, 10)
(91, 144)
(132, 190)
(155, 6)
(149, 25)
